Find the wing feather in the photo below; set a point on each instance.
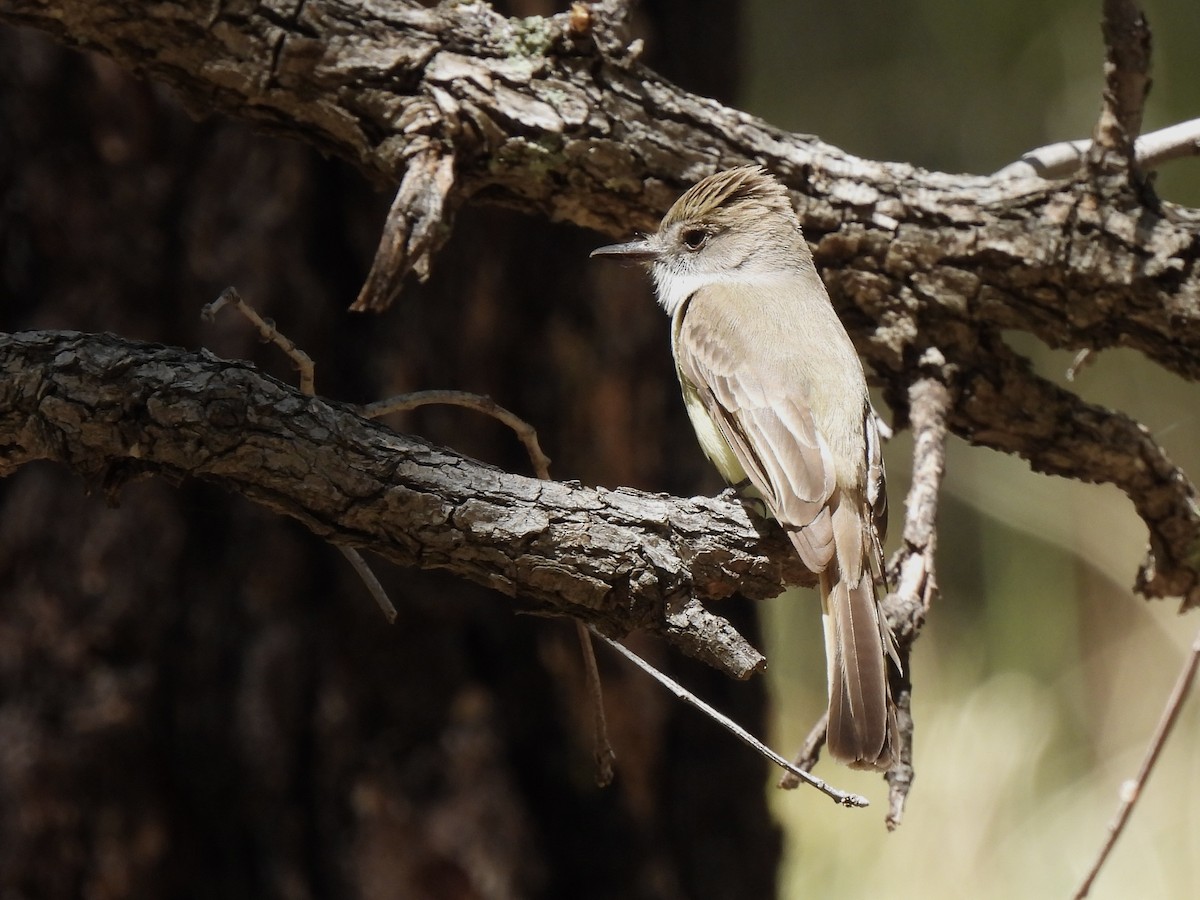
(771, 430)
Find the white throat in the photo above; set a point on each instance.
(673, 288)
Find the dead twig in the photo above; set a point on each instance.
(844, 798)
(304, 365)
(913, 572)
(1063, 159)
(269, 333)
(1132, 790)
(913, 567)
(525, 432)
(372, 583)
(1126, 83)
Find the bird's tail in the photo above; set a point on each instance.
(862, 716)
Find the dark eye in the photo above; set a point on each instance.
(695, 238)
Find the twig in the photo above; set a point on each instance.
(809, 753)
(912, 571)
(525, 432)
(1132, 790)
(1126, 83)
(842, 797)
(602, 751)
(1064, 158)
(270, 334)
(373, 586)
(304, 365)
(914, 566)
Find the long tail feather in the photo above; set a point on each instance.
(862, 718)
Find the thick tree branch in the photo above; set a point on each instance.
(114, 410)
(1007, 407)
(555, 116)
(536, 116)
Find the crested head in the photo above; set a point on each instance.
(737, 226)
(731, 198)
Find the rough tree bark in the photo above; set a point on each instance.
(115, 411)
(458, 102)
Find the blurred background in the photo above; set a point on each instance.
(197, 698)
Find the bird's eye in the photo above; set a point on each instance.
(695, 238)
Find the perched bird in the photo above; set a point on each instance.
(778, 399)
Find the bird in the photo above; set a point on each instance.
(777, 396)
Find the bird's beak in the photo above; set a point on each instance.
(638, 251)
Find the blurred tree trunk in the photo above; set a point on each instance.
(198, 698)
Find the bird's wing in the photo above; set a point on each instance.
(769, 426)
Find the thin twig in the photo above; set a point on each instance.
(809, 753)
(268, 331)
(525, 432)
(304, 365)
(914, 566)
(602, 750)
(842, 797)
(373, 586)
(1131, 790)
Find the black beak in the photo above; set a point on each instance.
(637, 251)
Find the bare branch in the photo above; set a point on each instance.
(1008, 407)
(564, 125)
(115, 410)
(1131, 790)
(1063, 159)
(913, 568)
(525, 432)
(841, 797)
(1127, 82)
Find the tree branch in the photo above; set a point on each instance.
(114, 410)
(537, 116)
(914, 571)
(555, 116)
(1127, 81)
(1063, 159)
(1007, 407)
